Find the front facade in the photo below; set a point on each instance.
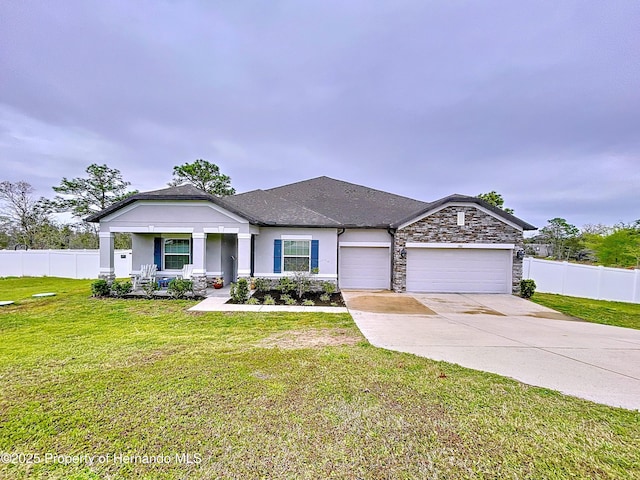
(357, 237)
(458, 248)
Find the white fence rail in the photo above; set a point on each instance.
(601, 283)
(60, 263)
(565, 278)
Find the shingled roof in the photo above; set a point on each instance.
(349, 204)
(271, 209)
(181, 192)
(318, 202)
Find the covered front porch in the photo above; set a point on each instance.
(214, 254)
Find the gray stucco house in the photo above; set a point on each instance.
(359, 237)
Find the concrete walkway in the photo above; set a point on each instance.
(218, 304)
(510, 336)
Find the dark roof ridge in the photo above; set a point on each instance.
(309, 180)
(457, 197)
(179, 192)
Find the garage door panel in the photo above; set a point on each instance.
(459, 270)
(364, 267)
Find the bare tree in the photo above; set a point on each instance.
(23, 216)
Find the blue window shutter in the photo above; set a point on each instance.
(277, 256)
(157, 252)
(315, 244)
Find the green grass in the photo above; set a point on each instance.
(596, 311)
(81, 376)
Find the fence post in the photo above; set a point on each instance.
(599, 288)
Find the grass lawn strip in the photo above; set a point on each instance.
(143, 377)
(618, 314)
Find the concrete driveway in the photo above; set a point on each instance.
(509, 336)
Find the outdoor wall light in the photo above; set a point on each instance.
(520, 254)
(403, 253)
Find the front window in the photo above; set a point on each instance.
(297, 256)
(177, 253)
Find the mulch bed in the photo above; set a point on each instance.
(335, 301)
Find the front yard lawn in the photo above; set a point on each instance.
(597, 311)
(151, 391)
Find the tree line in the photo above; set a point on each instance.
(27, 222)
(610, 246)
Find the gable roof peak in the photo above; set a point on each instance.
(456, 197)
(183, 189)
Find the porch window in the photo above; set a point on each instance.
(177, 253)
(296, 255)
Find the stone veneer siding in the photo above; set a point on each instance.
(442, 227)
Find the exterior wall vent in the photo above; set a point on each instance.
(461, 219)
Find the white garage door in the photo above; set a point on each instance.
(365, 267)
(465, 270)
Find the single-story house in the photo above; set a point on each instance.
(358, 237)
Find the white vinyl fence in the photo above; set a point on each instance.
(601, 283)
(60, 263)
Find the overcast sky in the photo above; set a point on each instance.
(538, 100)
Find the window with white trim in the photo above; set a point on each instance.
(177, 253)
(296, 255)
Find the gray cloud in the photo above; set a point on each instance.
(538, 101)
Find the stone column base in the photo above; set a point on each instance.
(109, 277)
(199, 285)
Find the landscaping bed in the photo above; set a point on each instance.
(335, 299)
(298, 289)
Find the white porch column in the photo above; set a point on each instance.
(199, 253)
(107, 270)
(244, 255)
(199, 276)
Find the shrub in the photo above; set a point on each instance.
(262, 284)
(240, 291)
(100, 288)
(149, 289)
(328, 288)
(268, 300)
(120, 289)
(285, 297)
(325, 297)
(286, 285)
(527, 288)
(180, 288)
(253, 301)
(308, 303)
(301, 282)
(290, 301)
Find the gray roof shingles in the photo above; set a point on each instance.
(181, 192)
(318, 202)
(349, 204)
(270, 209)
